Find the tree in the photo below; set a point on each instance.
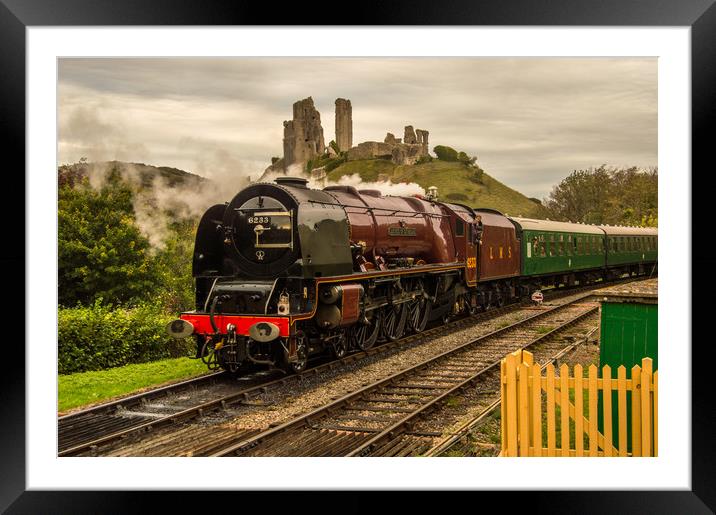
(604, 195)
(101, 252)
(445, 153)
(465, 159)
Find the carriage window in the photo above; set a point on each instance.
(459, 228)
(560, 249)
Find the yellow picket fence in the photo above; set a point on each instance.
(529, 397)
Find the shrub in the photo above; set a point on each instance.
(100, 337)
(424, 159)
(445, 153)
(101, 251)
(476, 175)
(334, 163)
(466, 160)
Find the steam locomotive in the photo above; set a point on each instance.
(284, 272)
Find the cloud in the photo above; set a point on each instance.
(530, 121)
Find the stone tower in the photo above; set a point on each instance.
(344, 124)
(302, 136)
(409, 136)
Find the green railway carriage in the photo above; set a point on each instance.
(550, 247)
(630, 245)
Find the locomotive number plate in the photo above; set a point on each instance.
(259, 220)
(401, 231)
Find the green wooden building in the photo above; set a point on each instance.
(628, 333)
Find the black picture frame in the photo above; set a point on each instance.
(17, 15)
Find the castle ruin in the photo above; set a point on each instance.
(302, 136)
(303, 139)
(344, 124)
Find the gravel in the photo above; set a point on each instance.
(324, 388)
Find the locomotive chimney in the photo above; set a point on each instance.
(432, 193)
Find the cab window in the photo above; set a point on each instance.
(459, 228)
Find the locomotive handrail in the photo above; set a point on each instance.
(393, 211)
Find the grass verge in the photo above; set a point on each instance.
(96, 386)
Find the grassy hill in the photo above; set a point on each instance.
(455, 181)
(145, 174)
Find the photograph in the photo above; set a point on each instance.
(352, 257)
(286, 259)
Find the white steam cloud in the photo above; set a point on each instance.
(404, 189)
(160, 203)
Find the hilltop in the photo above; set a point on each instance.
(143, 173)
(456, 182)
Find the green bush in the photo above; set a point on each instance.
(100, 337)
(445, 153)
(476, 175)
(101, 251)
(334, 163)
(424, 159)
(465, 159)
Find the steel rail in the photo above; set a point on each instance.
(306, 419)
(137, 398)
(125, 430)
(465, 428)
(244, 395)
(409, 419)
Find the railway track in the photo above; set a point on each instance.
(89, 431)
(88, 424)
(486, 407)
(376, 419)
(85, 432)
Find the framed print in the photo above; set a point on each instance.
(43, 45)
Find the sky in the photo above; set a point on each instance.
(529, 121)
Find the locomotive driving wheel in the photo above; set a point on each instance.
(363, 336)
(418, 314)
(394, 319)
